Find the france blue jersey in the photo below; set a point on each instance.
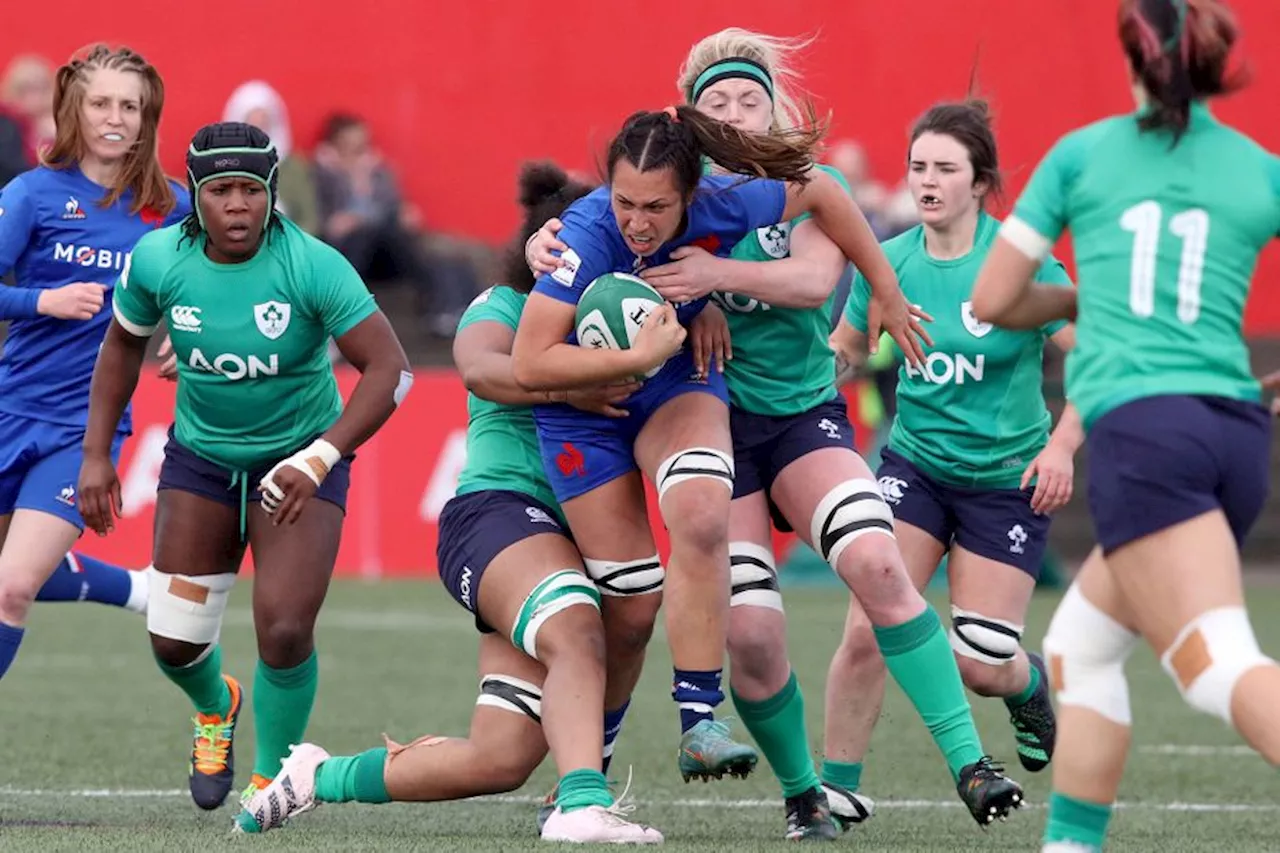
(725, 208)
(53, 233)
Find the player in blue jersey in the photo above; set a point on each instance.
(677, 427)
(66, 230)
(1168, 210)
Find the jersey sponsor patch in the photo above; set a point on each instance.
(184, 318)
(567, 273)
(976, 327)
(272, 318)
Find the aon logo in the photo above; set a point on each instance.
(943, 369)
(234, 367)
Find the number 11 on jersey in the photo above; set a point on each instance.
(1144, 220)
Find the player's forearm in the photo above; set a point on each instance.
(844, 223)
(564, 367)
(489, 377)
(19, 303)
(372, 402)
(786, 283)
(1037, 305)
(115, 377)
(1069, 433)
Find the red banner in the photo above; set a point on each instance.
(400, 481)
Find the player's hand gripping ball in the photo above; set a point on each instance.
(612, 311)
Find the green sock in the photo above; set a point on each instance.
(581, 788)
(920, 659)
(843, 773)
(282, 700)
(358, 778)
(1076, 821)
(203, 683)
(777, 724)
(1019, 699)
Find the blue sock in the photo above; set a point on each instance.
(612, 728)
(81, 578)
(10, 639)
(697, 693)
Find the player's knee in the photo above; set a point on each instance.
(854, 512)
(1086, 652)
(628, 628)
(574, 635)
(285, 641)
(627, 578)
(982, 678)
(984, 647)
(1209, 657)
(17, 594)
(567, 596)
(753, 577)
(694, 489)
(757, 644)
(184, 613)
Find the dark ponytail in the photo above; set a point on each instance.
(1178, 50)
(679, 138)
(545, 192)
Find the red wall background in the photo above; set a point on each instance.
(459, 94)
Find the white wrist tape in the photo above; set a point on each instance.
(315, 460)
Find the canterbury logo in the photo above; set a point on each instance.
(184, 318)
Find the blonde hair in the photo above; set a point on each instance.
(774, 53)
(140, 172)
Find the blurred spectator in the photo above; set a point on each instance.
(363, 215)
(27, 94)
(14, 158)
(889, 211)
(258, 104)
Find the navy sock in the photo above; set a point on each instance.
(612, 728)
(697, 693)
(10, 639)
(81, 578)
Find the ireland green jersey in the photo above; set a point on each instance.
(781, 363)
(975, 414)
(1166, 239)
(254, 378)
(502, 441)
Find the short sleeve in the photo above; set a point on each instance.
(498, 304)
(134, 299)
(855, 308)
(1053, 272)
(17, 222)
(840, 179)
(741, 205)
(1040, 216)
(585, 260)
(341, 299)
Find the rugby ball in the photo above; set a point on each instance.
(611, 311)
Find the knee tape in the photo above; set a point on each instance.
(1209, 656)
(692, 463)
(560, 591)
(633, 577)
(754, 577)
(992, 641)
(186, 607)
(511, 694)
(1086, 651)
(852, 509)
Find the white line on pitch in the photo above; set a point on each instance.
(158, 793)
(1194, 749)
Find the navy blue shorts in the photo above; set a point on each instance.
(476, 527)
(765, 444)
(582, 451)
(1160, 461)
(998, 524)
(186, 471)
(40, 466)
